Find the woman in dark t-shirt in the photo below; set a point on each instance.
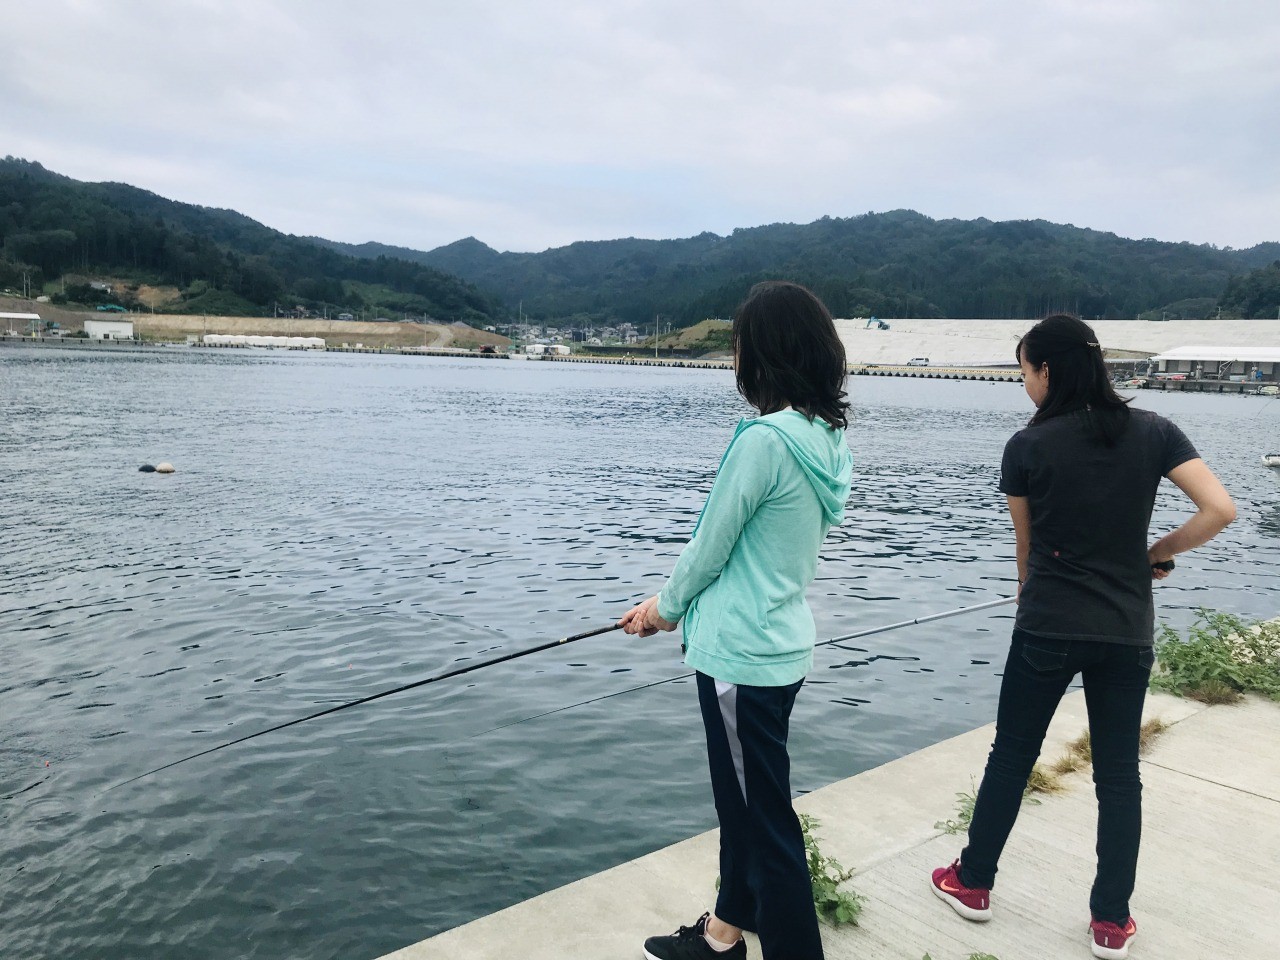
(1081, 481)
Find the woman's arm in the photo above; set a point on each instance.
(1020, 512)
(745, 478)
(1214, 510)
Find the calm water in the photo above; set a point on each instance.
(341, 525)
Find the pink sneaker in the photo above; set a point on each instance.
(972, 903)
(1109, 941)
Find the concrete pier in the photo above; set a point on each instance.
(1208, 884)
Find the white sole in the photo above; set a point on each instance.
(977, 916)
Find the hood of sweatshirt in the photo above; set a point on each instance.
(822, 454)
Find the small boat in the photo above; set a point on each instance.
(1272, 460)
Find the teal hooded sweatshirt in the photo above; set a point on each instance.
(740, 582)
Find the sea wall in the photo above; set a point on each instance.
(988, 342)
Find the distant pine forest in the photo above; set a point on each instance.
(61, 237)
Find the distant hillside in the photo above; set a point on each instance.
(888, 264)
(896, 264)
(220, 261)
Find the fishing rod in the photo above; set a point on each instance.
(524, 653)
(871, 631)
(385, 693)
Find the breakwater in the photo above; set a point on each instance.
(993, 374)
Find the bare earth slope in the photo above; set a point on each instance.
(158, 326)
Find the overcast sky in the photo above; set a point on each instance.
(533, 125)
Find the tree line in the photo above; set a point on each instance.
(895, 264)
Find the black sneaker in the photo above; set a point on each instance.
(689, 943)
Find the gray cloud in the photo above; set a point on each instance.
(535, 126)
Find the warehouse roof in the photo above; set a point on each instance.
(1219, 354)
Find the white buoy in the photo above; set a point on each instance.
(164, 467)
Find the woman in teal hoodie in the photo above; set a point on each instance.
(739, 586)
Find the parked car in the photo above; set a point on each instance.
(918, 362)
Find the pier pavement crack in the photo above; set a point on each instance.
(1216, 783)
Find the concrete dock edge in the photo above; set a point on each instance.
(1208, 884)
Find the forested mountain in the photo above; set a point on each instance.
(1255, 294)
(219, 261)
(889, 264)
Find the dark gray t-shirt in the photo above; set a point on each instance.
(1087, 576)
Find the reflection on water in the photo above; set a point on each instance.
(344, 524)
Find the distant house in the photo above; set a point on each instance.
(1221, 363)
(99, 286)
(345, 316)
(109, 329)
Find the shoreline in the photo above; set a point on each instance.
(908, 371)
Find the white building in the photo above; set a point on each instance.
(109, 329)
(1222, 363)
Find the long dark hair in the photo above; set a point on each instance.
(787, 353)
(1078, 377)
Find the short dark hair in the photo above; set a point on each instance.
(788, 353)
(1078, 377)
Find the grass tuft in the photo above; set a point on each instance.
(1213, 692)
(1150, 732)
(1077, 756)
(1043, 781)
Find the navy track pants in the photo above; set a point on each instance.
(764, 875)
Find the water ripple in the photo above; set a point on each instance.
(341, 525)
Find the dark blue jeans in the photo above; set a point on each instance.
(1035, 678)
(764, 874)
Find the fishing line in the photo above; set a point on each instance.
(988, 605)
(378, 696)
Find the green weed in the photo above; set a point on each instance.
(964, 811)
(1222, 657)
(834, 905)
(1039, 782)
